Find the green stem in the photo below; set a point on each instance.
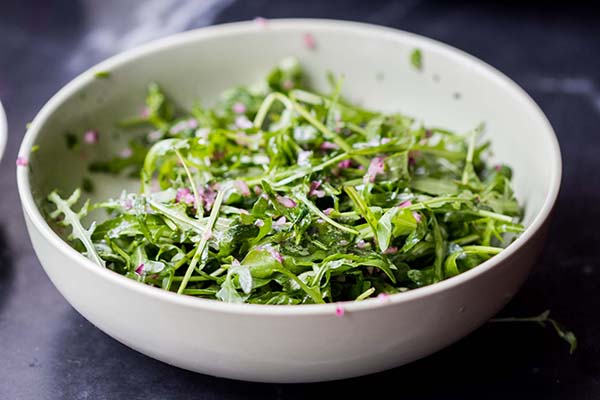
(212, 219)
(469, 160)
(449, 155)
(438, 271)
(199, 208)
(312, 293)
(314, 169)
(493, 215)
(482, 249)
(320, 214)
(366, 294)
(199, 292)
(196, 224)
(466, 239)
(327, 133)
(356, 128)
(308, 97)
(362, 208)
(426, 203)
(266, 105)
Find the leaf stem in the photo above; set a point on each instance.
(566, 335)
(493, 215)
(469, 160)
(482, 249)
(366, 294)
(212, 219)
(314, 169)
(327, 133)
(362, 208)
(259, 119)
(302, 197)
(73, 219)
(199, 208)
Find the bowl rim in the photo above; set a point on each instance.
(302, 25)
(3, 130)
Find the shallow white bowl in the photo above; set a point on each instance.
(292, 343)
(3, 131)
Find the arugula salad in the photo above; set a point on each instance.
(281, 195)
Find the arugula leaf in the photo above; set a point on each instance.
(416, 59)
(542, 319)
(280, 195)
(74, 220)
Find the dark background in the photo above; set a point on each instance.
(48, 351)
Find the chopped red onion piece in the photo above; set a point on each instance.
(412, 157)
(183, 125)
(154, 135)
(417, 216)
(126, 152)
(280, 221)
(276, 255)
(361, 244)
(383, 297)
(309, 41)
(239, 108)
(243, 122)
(391, 250)
(286, 202)
(242, 187)
(260, 21)
(127, 204)
(376, 167)
(207, 196)
(313, 191)
(328, 146)
(192, 123)
(22, 161)
(345, 164)
(288, 84)
(91, 137)
(184, 195)
(178, 127)
(140, 269)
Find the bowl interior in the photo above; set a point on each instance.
(453, 90)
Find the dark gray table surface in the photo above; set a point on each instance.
(48, 351)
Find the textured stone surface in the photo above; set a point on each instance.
(48, 351)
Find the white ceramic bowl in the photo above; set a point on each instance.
(3, 131)
(292, 343)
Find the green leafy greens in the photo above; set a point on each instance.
(280, 195)
(542, 320)
(416, 59)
